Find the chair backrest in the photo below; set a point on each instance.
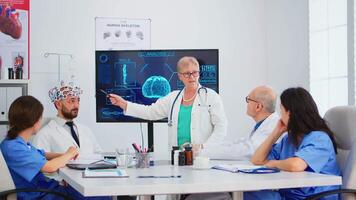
(6, 179)
(342, 121)
(45, 121)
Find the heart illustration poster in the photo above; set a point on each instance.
(14, 39)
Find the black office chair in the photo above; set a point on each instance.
(9, 194)
(331, 192)
(7, 186)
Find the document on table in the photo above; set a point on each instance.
(234, 167)
(105, 173)
(86, 159)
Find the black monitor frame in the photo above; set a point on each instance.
(137, 120)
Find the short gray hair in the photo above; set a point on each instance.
(267, 97)
(186, 61)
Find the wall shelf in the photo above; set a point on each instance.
(9, 91)
(12, 81)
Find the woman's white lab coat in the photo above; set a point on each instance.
(54, 138)
(208, 120)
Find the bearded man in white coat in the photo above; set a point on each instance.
(64, 131)
(261, 103)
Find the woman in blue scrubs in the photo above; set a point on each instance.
(26, 163)
(308, 146)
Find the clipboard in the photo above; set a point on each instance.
(246, 169)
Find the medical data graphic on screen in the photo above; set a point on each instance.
(145, 76)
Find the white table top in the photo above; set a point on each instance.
(192, 181)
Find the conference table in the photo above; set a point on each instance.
(191, 181)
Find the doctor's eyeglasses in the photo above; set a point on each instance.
(188, 74)
(248, 99)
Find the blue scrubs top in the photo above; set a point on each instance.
(317, 150)
(25, 162)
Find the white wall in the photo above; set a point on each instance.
(287, 44)
(260, 42)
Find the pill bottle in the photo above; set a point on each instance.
(188, 155)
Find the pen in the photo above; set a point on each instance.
(136, 147)
(178, 176)
(103, 91)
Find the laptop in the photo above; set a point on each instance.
(101, 164)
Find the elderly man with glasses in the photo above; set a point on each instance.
(261, 103)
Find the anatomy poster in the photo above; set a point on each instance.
(122, 34)
(14, 39)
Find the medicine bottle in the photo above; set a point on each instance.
(172, 154)
(11, 73)
(18, 73)
(188, 155)
(176, 157)
(181, 161)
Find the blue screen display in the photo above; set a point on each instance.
(143, 76)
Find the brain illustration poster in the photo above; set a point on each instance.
(14, 39)
(122, 34)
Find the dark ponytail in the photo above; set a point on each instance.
(24, 112)
(13, 132)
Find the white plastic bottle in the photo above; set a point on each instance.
(176, 157)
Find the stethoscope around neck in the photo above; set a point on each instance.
(200, 104)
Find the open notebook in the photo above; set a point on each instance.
(105, 173)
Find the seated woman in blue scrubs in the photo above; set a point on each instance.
(308, 146)
(26, 163)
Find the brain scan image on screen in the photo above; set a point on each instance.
(145, 76)
(156, 87)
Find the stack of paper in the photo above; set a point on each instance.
(105, 173)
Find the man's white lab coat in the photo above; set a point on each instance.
(243, 148)
(55, 138)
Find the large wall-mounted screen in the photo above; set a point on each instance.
(143, 76)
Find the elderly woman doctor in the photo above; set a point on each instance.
(195, 114)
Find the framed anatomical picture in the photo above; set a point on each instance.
(14, 39)
(122, 34)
